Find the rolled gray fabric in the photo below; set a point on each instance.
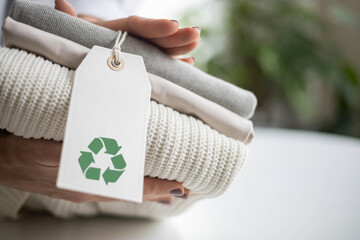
(46, 18)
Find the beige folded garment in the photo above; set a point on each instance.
(70, 54)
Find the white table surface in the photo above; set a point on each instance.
(295, 185)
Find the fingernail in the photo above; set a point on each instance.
(175, 21)
(182, 196)
(164, 201)
(176, 192)
(197, 28)
(193, 59)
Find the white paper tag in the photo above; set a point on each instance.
(105, 138)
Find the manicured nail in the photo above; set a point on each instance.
(176, 192)
(197, 28)
(163, 201)
(182, 196)
(175, 21)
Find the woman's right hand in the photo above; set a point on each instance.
(163, 33)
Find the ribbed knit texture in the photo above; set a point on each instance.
(34, 100)
(11, 200)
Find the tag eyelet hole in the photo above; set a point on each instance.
(116, 66)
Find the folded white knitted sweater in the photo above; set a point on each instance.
(34, 100)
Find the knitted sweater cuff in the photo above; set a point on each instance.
(11, 201)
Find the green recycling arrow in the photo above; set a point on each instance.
(93, 173)
(118, 162)
(96, 145)
(86, 159)
(111, 146)
(111, 175)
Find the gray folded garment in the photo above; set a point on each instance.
(46, 18)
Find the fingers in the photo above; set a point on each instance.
(154, 187)
(43, 152)
(163, 33)
(34, 151)
(165, 200)
(190, 60)
(186, 194)
(143, 27)
(168, 198)
(182, 37)
(65, 7)
(181, 50)
(48, 151)
(161, 190)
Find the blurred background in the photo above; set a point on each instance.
(300, 58)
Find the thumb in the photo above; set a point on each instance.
(65, 7)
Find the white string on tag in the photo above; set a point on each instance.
(115, 62)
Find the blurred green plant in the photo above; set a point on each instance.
(278, 49)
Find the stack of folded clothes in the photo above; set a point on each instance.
(198, 126)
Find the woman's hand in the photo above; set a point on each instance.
(32, 165)
(163, 33)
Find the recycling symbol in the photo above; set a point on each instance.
(87, 161)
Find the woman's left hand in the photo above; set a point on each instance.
(32, 165)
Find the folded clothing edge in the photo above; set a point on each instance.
(46, 18)
(70, 54)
